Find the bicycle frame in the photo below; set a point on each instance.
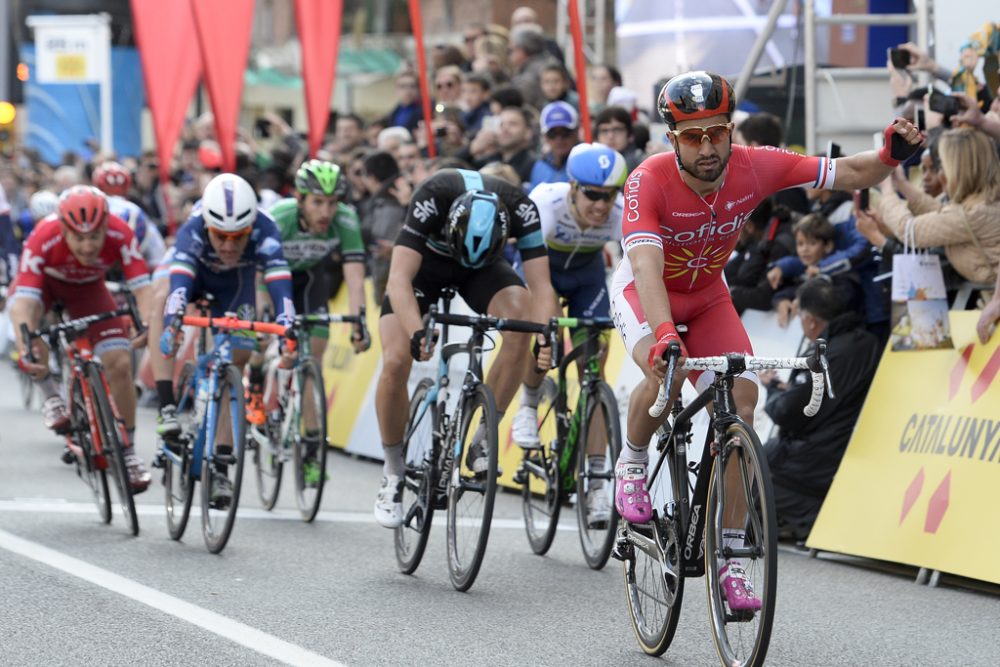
(208, 368)
(80, 354)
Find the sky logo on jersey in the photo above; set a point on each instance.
(423, 210)
(528, 214)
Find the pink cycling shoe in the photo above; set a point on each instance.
(738, 588)
(631, 496)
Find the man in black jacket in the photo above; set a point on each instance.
(805, 455)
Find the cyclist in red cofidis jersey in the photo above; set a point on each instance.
(683, 215)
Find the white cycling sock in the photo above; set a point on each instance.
(530, 396)
(633, 454)
(393, 463)
(598, 465)
(734, 538)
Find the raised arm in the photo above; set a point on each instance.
(863, 170)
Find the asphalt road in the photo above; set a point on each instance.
(76, 592)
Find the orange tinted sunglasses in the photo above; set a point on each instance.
(693, 136)
(231, 236)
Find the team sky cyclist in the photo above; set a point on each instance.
(683, 215)
(114, 180)
(578, 219)
(219, 250)
(315, 226)
(454, 234)
(65, 259)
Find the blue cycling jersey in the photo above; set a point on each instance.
(148, 237)
(196, 268)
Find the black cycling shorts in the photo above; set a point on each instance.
(477, 286)
(312, 290)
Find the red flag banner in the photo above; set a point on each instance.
(224, 28)
(169, 67)
(319, 24)
(581, 67)
(425, 90)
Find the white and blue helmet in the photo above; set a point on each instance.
(229, 203)
(596, 165)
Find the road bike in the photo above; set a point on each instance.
(296, 430)
(436, 445)
(203, 387)
(96, 438)
(562, 466)
(684, 537)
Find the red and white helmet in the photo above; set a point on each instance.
(112, 178)
(83, 208)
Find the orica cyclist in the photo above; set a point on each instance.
(315, 227)
(578, 219)
(454, 233)
(683, 215)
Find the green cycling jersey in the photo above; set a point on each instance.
(303, 250)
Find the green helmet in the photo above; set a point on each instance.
(320, 177)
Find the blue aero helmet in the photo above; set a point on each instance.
(477, 228)
(596, 165)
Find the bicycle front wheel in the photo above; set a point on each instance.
(472, 487)
(222, 472)
(92, 468)
(742, 637)
(113, 446)
(309, 452)
(541, 495)
(654, 585)
(419, 479)
(178, 482)
(595, 487)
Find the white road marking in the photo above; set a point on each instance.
(57, 506)
(234, 631)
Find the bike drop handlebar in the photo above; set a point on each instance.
(79, 325)
(734, 364)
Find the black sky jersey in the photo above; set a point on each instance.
(428, 213)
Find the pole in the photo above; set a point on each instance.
(743, 83)
(103, 31)
(810, 75)
(581, 67)
(425, 91)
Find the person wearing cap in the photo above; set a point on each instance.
(560, 126)
(579, 218)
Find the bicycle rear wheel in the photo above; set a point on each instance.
(541, 493)
(471, 494)
(113, 446)
(265, 441)
(218, 517)
(178, 481)
(92, 468)
(654, 586)
(419, 483)
(310, 445)
(742, 637)
(600, 422)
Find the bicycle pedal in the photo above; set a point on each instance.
(225, 459)
(68, 457)
(520, 476)
(742, 616)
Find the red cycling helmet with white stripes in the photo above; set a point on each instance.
(83, 208)
(112, 178)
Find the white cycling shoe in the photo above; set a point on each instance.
(524, 430)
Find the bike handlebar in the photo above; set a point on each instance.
(78, 326)
(734, 364)
(232, 323)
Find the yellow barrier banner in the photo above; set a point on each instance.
(918, 482)
(346, 375)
